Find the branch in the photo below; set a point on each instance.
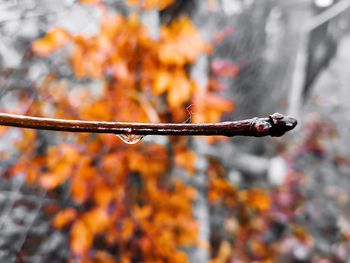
(275, 125)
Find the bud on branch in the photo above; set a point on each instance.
(275, 125)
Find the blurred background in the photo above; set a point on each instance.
(93, 198)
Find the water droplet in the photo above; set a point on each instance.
(130, 138)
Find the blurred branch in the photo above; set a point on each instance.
(275, 125)
(329, 14)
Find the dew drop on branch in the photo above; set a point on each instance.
(130, 138)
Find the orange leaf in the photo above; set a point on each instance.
(179, 90)
(219, 103)
(27, 139)
(169, 55)
(103, 257)
(103, 195)
(150, 161)
(258, 248)
(120, 71)
(185, 158)
(114, 163)
(210, 107)
(161, 82)
(257, 199)
(180, 43)
(81, 238)
(60, 161)
(127, 230)
(64, 217)
(145, 244)
(179, 257)
(149, 4)
(33, 169)
(3, 130)
(79, 189)
(78, 63)
(96, 111)
(125, 259)
(224, 253)
(141, 213)
(85, 171)
(96, 220)
(53, 40)
(62, 155)
(189, 233)
(52, 180)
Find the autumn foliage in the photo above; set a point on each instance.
(128, 205)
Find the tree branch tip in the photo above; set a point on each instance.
(275, 125)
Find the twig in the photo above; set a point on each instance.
(275, 125)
